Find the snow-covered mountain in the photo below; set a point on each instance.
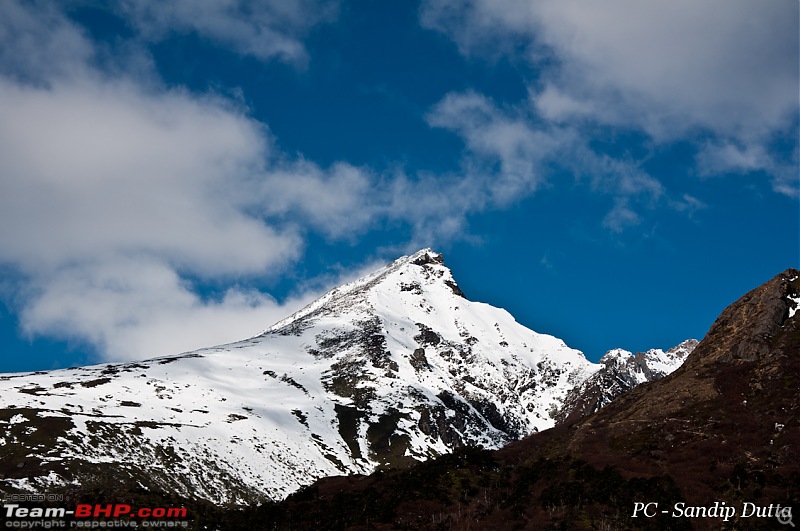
(394, 367)
(620, 371)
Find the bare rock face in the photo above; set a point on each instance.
(422, 259)
(748, 328)
(743, 332)
(620, 372)
(729, 416)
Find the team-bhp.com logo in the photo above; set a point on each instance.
(117, 510)
(86, 515)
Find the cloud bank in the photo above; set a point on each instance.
(116, 190)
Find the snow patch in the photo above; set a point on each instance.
(793, 309)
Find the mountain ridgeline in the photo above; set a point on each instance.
(392, 369)
(723, 430)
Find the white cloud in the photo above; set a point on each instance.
(557, 106)
(38, 44)
(436, 206)
(729, 65)
(109, 193)
(505, 138)
(98, 167)
(141, 308)
(722, 65)
(716, 158)
(265, 29)
(116, 190)
(338, 201)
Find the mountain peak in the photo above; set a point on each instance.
(724, 428)
(426, 256)
(620, 372)
(394, 367)
(425, 266)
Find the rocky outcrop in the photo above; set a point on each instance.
(621, 371)
(748, 328)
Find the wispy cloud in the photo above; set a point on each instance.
(730, 156)
(338, 201)
(688, 204)
(621, 217)
(268, 29)
(511, 152)
(499, 138)
(672, 70)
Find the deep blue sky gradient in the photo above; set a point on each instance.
(372, 76)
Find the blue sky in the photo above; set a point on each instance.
(175, 175)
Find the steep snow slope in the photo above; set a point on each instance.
(395, 367)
